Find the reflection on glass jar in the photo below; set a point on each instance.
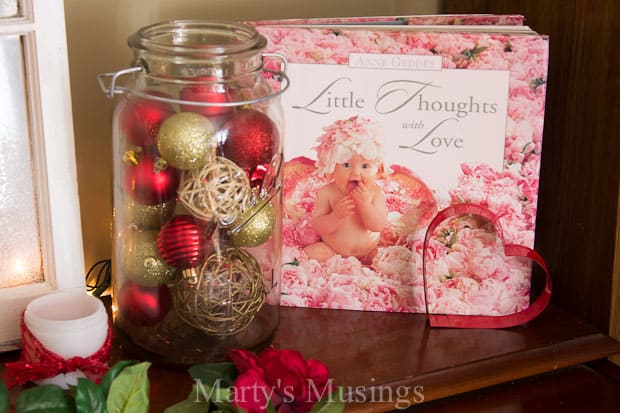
(197, 158)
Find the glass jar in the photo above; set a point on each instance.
(197, 191)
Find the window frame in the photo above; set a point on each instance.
(42, 26)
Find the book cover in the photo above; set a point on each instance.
(420, 19)
(386, 125)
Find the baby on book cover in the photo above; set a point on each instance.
(385, 128)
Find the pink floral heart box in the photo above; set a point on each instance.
(473, 279)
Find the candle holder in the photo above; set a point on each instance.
(65, 336)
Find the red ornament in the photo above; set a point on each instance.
(144, 306)
(250, 139)
(181, 241)
(211, 93)
(151, 181)
(257, 175)
(141, 118)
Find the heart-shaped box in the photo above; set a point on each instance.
(464, 253)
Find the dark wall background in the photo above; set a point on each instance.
(578, 198)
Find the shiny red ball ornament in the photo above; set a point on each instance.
(250, 139)
(211, 93)
(144, 306)
(151, 181)
(257, 175)
(141, 118)
(181, 241)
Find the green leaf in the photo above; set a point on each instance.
(332, 403)
(188, 406)
(452, 240)
(223, 399)
(129, 392)
(194, 403)
(295, 262)
(223, 374)
(474, 52)
(44, 399)
(114, 371)
(218, 395)
(536, 83)
(89, 398)
(213, 383)
(4, 398)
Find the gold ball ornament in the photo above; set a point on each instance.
(148, 216)
(217, 191)
(141, 261)
(224, 295)
(186, 140)
(254, 227)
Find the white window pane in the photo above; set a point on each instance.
(9, 8)
(20, 248)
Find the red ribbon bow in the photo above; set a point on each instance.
(37, 362)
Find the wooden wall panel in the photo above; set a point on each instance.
(581, 146)
(614, 323)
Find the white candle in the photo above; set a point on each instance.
(69, 324)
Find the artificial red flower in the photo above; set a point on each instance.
(251, 392)
(243, 360)
(295, 384)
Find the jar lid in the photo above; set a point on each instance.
(197, 38)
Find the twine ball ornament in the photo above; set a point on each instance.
(181, 242)
(186, 140)
(141, 261)
(217, 191)
(225, 295)
(255, 226)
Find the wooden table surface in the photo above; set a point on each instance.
(576, 389)
(400, 353)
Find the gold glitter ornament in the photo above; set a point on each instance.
(141, 261)
(225, 295)
(186, 140)
(217, 191)
(254, 226)
(148, 216)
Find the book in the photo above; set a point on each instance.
(421, 19)
(388, 121)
